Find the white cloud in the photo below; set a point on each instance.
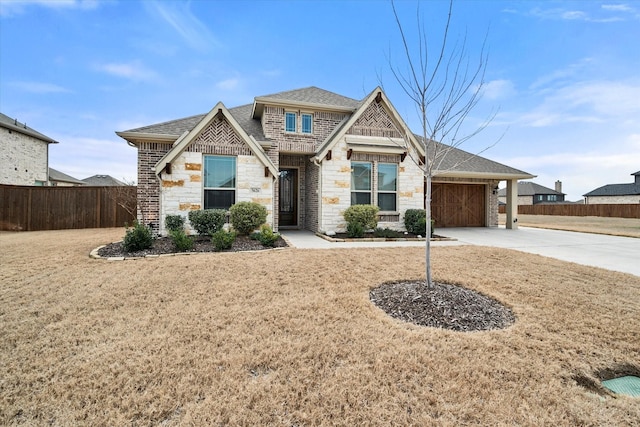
(228, 84)
(135, 71)
(16, 7)
(617, 7)
(39, 87)
(179, 16)
(497, 89)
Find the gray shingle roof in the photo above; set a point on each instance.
(528, 188)
(632, 189)
(313, 95)
(14, 125)
(457, 160)
(56, 175)
(103, 181)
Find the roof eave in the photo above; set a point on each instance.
(29, 132)
(135, 137)
(483, 175)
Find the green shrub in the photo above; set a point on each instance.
(355, 229)
(223, 240)
(137, 238)
(365, 215)
(208, 221)
(266, 236)
(415, 221)
(245, 217)
(174, 222)
(181, 241)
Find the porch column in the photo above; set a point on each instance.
(512, 204)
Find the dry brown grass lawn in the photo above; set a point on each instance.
(289, 337)
(629, 227)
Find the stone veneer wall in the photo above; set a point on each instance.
(336, 187)
(23, 159)
(182, 190)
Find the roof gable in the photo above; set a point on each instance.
(388, 128)
(190, 136)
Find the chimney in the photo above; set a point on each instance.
(559, 186)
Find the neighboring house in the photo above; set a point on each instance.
(103, 181)
(307, 155)
(24, 154)
(59, 179)
(530, 193)
(616, 193)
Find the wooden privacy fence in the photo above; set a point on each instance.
(609, 210)
(56, 208)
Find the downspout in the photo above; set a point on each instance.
(319, 194)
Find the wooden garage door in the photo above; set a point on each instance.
(458, 205)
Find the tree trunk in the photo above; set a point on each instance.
(427, 246)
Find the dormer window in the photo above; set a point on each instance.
(290, 122)
(307, 123)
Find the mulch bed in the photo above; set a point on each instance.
(164, 245)
(441, 306)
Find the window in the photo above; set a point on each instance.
(360, 183)
(219, 182)
(307, 123)
(290, 122)
(387, 186)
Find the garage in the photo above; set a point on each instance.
(458, 205)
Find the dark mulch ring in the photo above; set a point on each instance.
(164, 245)
(441, 306)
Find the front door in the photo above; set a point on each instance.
(288, 210)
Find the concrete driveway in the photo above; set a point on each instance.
(610, 252)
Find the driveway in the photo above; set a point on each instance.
(610, 252)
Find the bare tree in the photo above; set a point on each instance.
(444, 87)
(125, 196)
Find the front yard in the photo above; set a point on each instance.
(290, 337)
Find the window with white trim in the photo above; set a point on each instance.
(382, 192)
(307, 123)
(219, 182)
(387, 186)
(361, 183)
(290, 120)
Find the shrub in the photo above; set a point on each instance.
(415, 221)
(365, 215)
(137, 238)
(247, 216)
(223, 239)
(266, 236)
(355, 229)
(181, 241)
(208, 221)
(174, 222)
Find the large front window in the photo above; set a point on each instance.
(219, 182)
(382, 192)
(387, 186)
(360, 183)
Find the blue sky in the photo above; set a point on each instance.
(563, 75)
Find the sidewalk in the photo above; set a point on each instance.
(609, 252)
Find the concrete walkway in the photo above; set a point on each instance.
(610, 252)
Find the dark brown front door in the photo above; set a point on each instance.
(288, 210)
(458, 205)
